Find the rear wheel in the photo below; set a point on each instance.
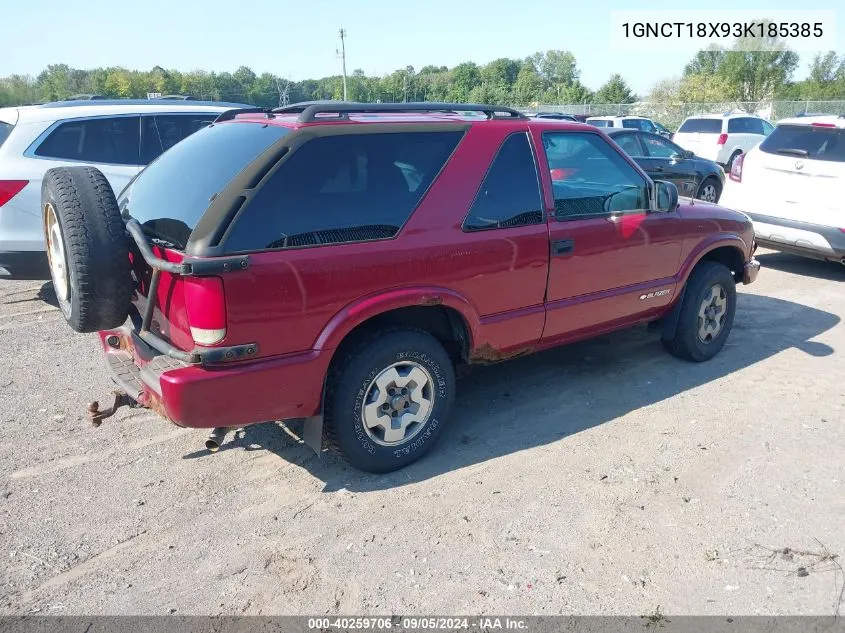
(731, 160)
(707, 313)
(710, 190)
(388, 398)
(87, 248)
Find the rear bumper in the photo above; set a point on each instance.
(800, 238)
(234, 394)
(24, 265)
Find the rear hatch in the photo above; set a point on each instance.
(699, 135)
(167, 199)
(798, 173)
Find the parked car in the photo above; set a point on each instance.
(117, 136)
(663, 131)
(626, 122)
(722, 137)
(555, 115)
(791, 187)
(304, 274)
(661, 159)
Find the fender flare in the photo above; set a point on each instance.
(700, 251)
(351, 316)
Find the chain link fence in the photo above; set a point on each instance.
(672, 114)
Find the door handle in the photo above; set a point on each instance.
(563, 247)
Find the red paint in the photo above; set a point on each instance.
(298, 305)
(10, 188)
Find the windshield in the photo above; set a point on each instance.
(170, 196)
(806, 141)
(705, 126)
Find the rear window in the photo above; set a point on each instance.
(701, 126)
(5, 130)
(805, 141)
(343, 188)
(170, 196)
(600, 122)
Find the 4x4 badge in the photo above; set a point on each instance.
(656, 293)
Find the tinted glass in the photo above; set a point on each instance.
(510, 193)
(767, 127)
(658, 147)
(590, 178)
(804, 141)
(629, 143)
(5, 130)
(344, 188)
(170, 196)
(162, 132)
(701, 126)
(112, 140)
(600, 122)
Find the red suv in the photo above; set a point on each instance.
(335, 262)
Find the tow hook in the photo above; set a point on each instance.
(96, 416)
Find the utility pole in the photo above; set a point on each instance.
(342, 54)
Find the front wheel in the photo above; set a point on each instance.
(710, 190)
(388, 398)
(707, 314)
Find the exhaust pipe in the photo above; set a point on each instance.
(216, 438)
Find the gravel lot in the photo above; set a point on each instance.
(602, 478)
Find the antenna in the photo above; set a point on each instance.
(342, 55)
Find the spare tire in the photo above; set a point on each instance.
(87, 248)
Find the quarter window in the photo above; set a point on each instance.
(590, 178)
(343, 188)
(109, 140)
(510, 193)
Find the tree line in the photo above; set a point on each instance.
(547, 77)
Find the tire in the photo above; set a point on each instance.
(709, 182)
(87, 248)
(687, 342)
(732, 159)
(352, 383)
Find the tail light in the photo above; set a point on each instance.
(10, 188)
(723, 138)
(205, 304)
(736, 168)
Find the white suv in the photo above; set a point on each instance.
(722, 137)
(791, 187)
(118, 137)
(627, 122)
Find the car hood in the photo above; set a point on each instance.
(694, 208)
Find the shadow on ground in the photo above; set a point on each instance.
(540, 399)
(796, 265)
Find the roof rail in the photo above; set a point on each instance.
(309, 110)
(228, 115)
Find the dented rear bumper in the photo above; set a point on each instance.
(209, 396)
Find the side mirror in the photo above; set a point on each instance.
(665, 196)
(688, 154)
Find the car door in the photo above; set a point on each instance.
(608, 250)
(664, 160)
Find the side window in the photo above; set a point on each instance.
(510, 193)
(658, 147)
(647, 126)
(343, 188)
(736, 126)
(755, 126)
(629, 143)
(162, 132)
(114, 140)
(633, 124)
(767, 128)
(598, 180)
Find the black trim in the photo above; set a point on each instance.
(28, 265)
(228, 115)
(309, 110)
(834, 236)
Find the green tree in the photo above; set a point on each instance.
(615, 90)
(556, 67)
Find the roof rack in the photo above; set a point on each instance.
(309, 110)
(228, 115)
